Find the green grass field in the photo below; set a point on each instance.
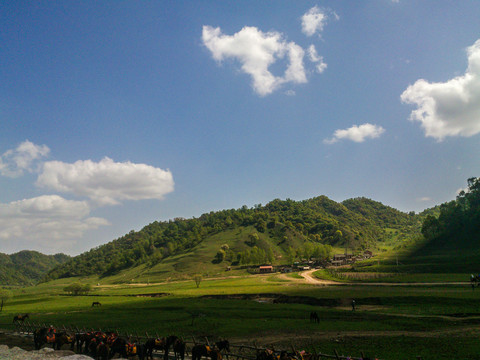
(390, 322)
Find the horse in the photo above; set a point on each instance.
(20, 318)
(223, 345)
(63, 338)
(314, 317)
(266, 354)
(155, 344)
(179, 349)
(204, 350)
(83, 339)
(126, 349)
(44, 336)
(102, 351)
(96, 303)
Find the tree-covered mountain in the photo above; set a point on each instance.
(457, 226)
(279, 230)
(27, 267)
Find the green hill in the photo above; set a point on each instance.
(277, 232)
(452, 235)
(27, 267)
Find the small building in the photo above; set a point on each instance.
(265, 269)
(367, 254)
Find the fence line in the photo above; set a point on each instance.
(242, 352)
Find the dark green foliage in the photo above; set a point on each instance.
(27, 267)
(451, 234)
(457, 225)
(76, 289)
(357, 223)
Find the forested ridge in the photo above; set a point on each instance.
(457, 225)
(280, 229)
(27, 267)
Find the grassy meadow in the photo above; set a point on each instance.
(439, 321)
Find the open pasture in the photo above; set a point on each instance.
(390, 322)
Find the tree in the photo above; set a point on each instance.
(291, 255)
(4, 296)
(252, 239)
(220, 256)
(77, 288)
(198, 279)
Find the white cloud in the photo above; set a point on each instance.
(451, 108)
(15, 162)
(321, 66)
(107, 182)
(424, 199)
(46, 220)
(313, 21)
(257, 51)
(356, 133)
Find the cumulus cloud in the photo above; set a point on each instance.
(450, 108)
(257, 51)
(14, 162)
(107, 182)
(46, 219)
(318, 60)
(356, 133)
(313, 21)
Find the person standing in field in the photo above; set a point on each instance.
(353, 304)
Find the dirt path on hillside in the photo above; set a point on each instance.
(309, 279)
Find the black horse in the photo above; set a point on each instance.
(155, 344)
(223, 345)
(266, 354)
(44, 336)
(118, 346)
(64, 338)
(204, 350)
(179, 349)
(20, 318)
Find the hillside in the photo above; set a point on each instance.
(452, 235)
(27, 267)
(278, 232)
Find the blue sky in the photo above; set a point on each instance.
(115, 114)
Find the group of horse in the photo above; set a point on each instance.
(105, 345)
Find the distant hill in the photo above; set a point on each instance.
(452, 235)
(277, 232)
(27, 267)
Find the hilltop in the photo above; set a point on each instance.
(277, 233)
(27, 267)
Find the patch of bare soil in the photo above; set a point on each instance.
(14, 339)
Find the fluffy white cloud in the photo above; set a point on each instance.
(257, 51)
(313, 21)
(14, 162)
(356, 133)
(46, 220)
(107, 182)
(318, 60)
(450, 108)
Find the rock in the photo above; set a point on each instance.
(16, 353)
